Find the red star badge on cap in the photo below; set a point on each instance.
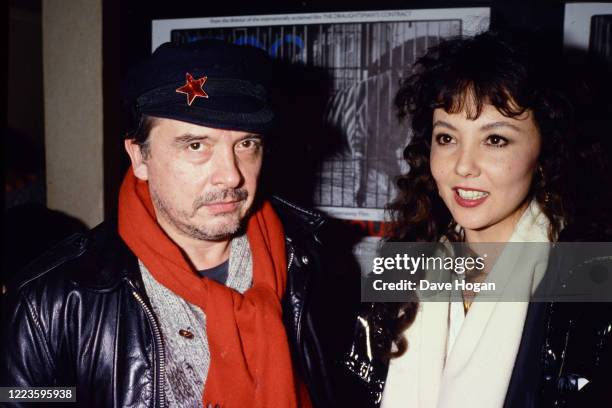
(193, 88)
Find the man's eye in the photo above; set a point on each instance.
(195, 146)
(249, 144)
(444, 139)
(496, 140)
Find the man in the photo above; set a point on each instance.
(197, 295)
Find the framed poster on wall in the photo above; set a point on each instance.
(365, 54)
(588, 27)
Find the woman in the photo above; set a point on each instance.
(493, 157)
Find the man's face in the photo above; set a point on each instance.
(202, 180)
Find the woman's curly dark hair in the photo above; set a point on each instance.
(465, 74)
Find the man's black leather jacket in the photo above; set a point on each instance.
(79, 316)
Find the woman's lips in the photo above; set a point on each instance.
(469, 198)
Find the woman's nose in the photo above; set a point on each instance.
(467, 163)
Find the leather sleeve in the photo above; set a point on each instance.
(25, 360)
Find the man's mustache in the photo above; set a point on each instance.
(215, 197)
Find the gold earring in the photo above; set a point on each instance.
(547, 195)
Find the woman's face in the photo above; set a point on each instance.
(483, 169)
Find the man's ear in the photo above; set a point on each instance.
(138, 163)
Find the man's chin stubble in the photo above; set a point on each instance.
(220, 233)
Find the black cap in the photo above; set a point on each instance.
(210, 83)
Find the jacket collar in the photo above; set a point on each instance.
(297, 221)
(106, 261)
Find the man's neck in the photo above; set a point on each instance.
(205, 254)
(202, 254)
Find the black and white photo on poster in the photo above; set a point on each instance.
(600, 41)
(365, 54)
(588, 27)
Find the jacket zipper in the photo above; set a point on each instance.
(298, 333)
(291, 256)
(159, 345)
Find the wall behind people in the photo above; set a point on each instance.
(127, 38)
(30, 227)
(545, 19)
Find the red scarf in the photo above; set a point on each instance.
(250, 359)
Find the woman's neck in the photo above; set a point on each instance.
(498, 232)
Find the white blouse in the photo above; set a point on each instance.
(456, 360)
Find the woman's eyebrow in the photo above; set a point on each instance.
(497, 125)
(444, 124)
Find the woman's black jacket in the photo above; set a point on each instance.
(561, 343)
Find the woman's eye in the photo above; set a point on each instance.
(497, 141)
(444, 139)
